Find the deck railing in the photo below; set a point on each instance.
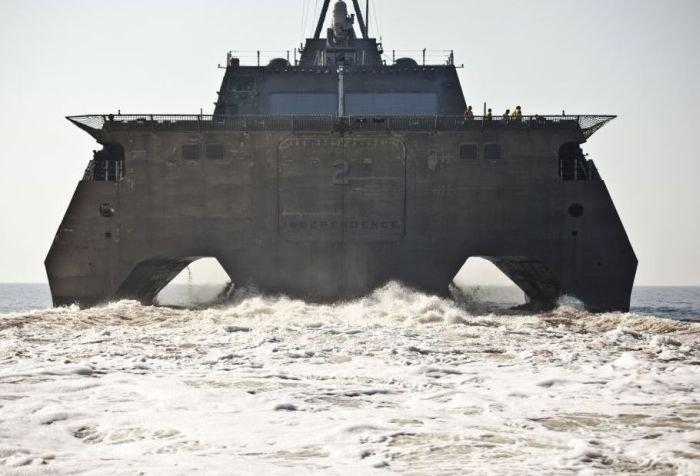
(587, 123)
(423, 57)
(104, 171)
(260, 57)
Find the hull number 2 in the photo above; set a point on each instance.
(341, 170)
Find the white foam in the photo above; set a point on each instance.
(397, 381)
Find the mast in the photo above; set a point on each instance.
(321, 19)
(358, 12)
(367, 17)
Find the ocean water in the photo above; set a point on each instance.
(398, 382)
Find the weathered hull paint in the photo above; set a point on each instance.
(332, 215)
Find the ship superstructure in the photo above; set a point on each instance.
(328, 175)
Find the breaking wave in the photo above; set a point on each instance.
(396, 381)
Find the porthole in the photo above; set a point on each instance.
(106, 211)
(576, 210)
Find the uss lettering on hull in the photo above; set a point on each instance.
(328, 171)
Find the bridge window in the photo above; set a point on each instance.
(391, 104)
(303, 104)
(492, 151)
(190, 151)
(215, 151)
(468, 151)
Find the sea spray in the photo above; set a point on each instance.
(415, 382)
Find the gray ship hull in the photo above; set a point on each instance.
(330, 213)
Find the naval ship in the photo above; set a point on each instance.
(328, 175)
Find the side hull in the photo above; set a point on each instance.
(328, 216)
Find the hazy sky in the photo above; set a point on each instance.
(639, 59)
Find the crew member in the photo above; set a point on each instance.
(469, 114)
(518, 113)
(506, 116)
(489, 115)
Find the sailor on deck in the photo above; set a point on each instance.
(518, 113)
(469, 114)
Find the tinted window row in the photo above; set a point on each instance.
(471, 151)
(198, 151)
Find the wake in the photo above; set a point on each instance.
(398, 380)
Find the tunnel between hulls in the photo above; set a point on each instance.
(190, 281)
(539, 285)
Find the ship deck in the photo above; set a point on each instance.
(95, 123)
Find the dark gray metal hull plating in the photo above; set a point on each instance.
(328, 215)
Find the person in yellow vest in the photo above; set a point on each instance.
(518, 113)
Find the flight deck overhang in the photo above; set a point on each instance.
(98, 124)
